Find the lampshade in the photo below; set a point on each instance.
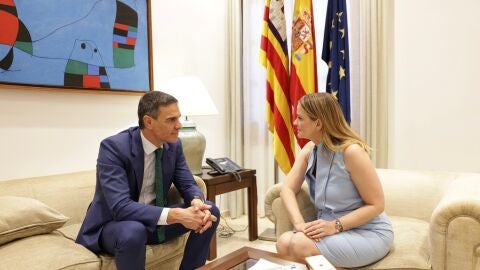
(193, 99)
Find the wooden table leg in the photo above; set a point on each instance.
(212, 252)
(252, 210)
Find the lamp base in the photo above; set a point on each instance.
(193, 143)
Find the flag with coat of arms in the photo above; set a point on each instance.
(274, 56)
(303, 76)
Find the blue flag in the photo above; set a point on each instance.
(335, 54)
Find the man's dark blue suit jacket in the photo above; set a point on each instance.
(120, 167)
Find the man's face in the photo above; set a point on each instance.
(165, 127)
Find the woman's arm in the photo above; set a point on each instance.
(365, 179)
(292, 186)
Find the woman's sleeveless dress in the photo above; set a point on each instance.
(334, 195)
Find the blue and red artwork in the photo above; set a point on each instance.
(94, 44)
(124, 35)
(85, 68)
(13, 33)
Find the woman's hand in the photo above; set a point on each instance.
(319, 228)
(300, 227)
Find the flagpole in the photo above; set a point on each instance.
(275, 172)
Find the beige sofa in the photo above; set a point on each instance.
(40, 218)
(435, 217)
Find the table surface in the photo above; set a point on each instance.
(222, 178)
(244, 254)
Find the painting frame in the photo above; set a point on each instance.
(116, 57)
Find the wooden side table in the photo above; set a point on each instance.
(220, 184)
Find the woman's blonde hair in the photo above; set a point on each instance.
(336, 134)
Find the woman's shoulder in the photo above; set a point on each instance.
(354, 154)
(353, 150)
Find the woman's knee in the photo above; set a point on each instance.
(302, 246)
(283, 243)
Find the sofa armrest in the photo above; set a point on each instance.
(174, 196)
(201, 184)
(272, 194)
(455, 226)
(275, 210)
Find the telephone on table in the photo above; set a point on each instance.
(223, 165)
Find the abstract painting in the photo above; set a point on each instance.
(80, 45)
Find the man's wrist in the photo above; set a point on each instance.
(196, 197)
(174, 215)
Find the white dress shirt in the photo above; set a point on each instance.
(147, 194)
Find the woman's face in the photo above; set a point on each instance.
(306, 127)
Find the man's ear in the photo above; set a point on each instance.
(147, 121)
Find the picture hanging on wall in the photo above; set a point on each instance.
(94, 45)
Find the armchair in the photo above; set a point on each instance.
(435, 217)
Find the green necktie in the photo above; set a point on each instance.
(159, 189)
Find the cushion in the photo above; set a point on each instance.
(162, 256)
(70, 231)
(22, 217)
(410, 246)
(47, 252)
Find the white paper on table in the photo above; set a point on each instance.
(319, 262)
(263, 264)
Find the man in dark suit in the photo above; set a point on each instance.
(125, 214)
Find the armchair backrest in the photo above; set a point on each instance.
(413, 194)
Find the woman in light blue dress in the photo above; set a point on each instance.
(351, 229)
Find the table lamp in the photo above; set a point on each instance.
(193, 99)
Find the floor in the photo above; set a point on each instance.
(240, 238)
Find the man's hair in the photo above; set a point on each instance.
(149, 104)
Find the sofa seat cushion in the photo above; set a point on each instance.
(46, 252)
(157, 255)
(22, 217)
(163, 256)
(70, 231)
(410, 246)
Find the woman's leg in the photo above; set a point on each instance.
(283, 243)
(296, 244)
(301, 246)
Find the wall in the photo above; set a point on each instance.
(44, 132)
(436, 97)
(190, 40)
(435, 102)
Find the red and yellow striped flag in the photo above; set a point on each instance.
(303, 79)
(274, 56)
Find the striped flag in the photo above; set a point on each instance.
(274, 56)
(335, 54)
(303, 78)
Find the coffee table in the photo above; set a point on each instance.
(245, 257)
